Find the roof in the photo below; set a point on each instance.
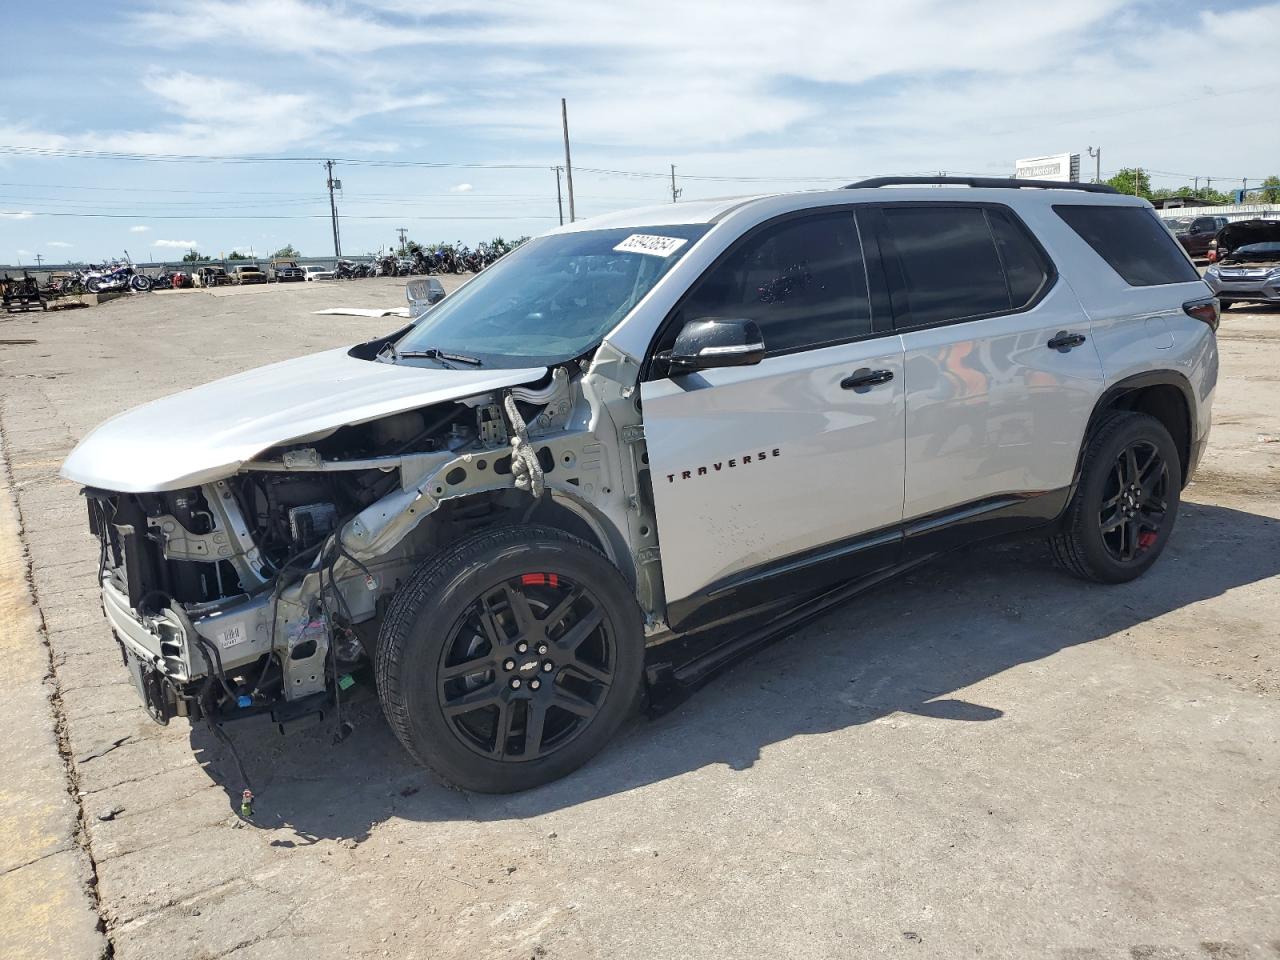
(710, 211)
(693, 211)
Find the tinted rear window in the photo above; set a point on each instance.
(1133, 241)
(949, 262)
(1024, 265)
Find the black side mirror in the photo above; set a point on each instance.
(716, 342)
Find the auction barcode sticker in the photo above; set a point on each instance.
(231, 636)
(654, 246)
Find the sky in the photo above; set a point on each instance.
(445, 116)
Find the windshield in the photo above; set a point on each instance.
(1179, 224)
(553, 298)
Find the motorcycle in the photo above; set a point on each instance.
(121, 277)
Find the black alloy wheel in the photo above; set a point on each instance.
(1135, 501)
(1125, 502)
(527, 667)
(509, 658)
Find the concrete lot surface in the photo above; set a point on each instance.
(989, 759)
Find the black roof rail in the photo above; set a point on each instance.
(1006, 183)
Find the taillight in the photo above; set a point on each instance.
(1206, 310)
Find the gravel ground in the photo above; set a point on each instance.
(986, 759)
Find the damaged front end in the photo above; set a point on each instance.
(262, 592)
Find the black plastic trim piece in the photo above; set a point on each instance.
(669, 683)
(797, 575)
(1151, 378)
(998, 183)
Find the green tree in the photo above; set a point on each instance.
(287, 252)
(1270, 192)
(237, 255)
(1132, 180)
(193, 256)
(1187, 193)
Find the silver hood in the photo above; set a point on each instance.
(206, 433)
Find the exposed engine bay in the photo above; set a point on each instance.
(263, 591)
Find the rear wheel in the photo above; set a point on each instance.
(1125, 505)
(510, 659)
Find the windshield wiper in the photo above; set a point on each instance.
(433, 353)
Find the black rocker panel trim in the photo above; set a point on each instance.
(798, 577)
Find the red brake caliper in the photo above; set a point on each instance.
(1146, 538)
(540, 580)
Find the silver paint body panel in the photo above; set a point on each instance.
(208, 432)
(832, 465)
(992, 410)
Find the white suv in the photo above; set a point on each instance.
(702, 423)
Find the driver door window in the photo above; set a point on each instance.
(802, 281)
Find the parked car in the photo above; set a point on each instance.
(644, 444)
(1196, 233)
(245, 273)
(1247, 263)
(313, 271)
(211, 276)
(286, 271)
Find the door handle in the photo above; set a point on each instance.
(1065, 341)
(865, 377)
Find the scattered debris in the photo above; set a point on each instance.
(110, 813)
(362, 312)
(912, 936)
(1268, 438)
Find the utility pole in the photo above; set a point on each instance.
(1137, 178)
(1244, 189)
(568, 165)
(404, 232)
(333, 208)
(1208, 185)
(675, 194)
(39, 260)
(1097, 163)
(559, 202)
(1196, 191)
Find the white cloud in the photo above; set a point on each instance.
(25, 253)
(461, 188)
(140, 228)
(177, 244)
(288, 26)
(16, 214)
(59, 243)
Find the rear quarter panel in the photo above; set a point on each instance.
(1136, 330)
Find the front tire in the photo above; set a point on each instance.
(1126, 503)
(510, 659)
